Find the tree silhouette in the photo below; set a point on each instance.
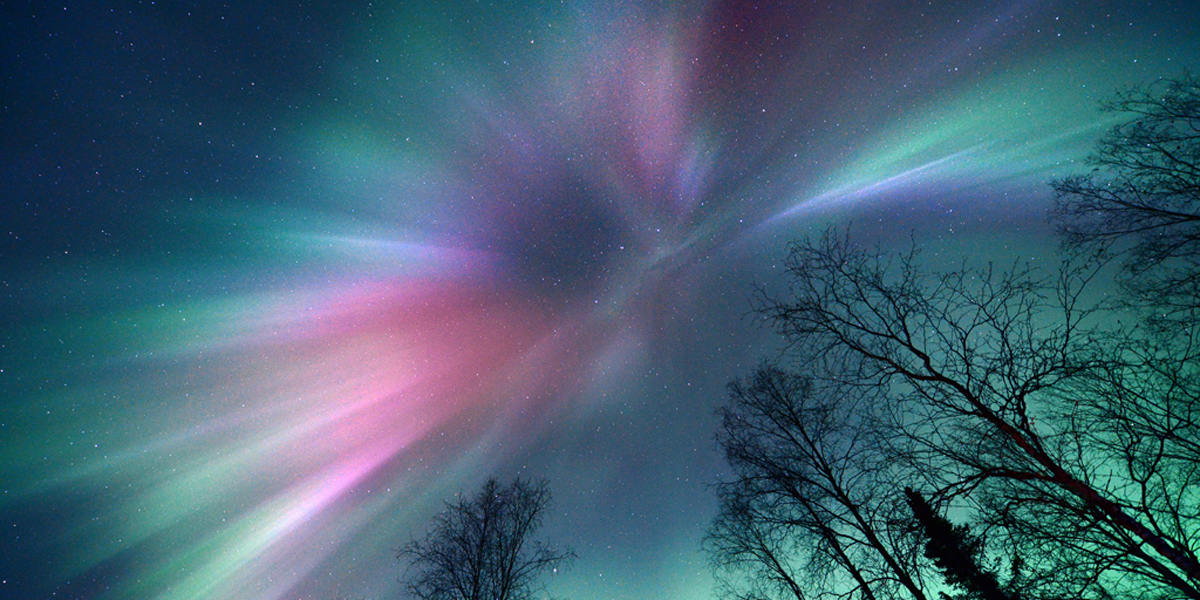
(806, 514)
(954, 551)
(1066, 426)
(1143, 196)
(994, 378)
(481, 548)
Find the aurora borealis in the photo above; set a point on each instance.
(276, 279)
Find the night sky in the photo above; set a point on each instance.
(277, 279)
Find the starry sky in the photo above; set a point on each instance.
(279, 278)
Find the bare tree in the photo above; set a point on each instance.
(1143, 196)
(1142, 408)
(482, 547)
(995, 379)
(805, 514)
(1070, 432)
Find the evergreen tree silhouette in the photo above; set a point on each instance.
(954, 551)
